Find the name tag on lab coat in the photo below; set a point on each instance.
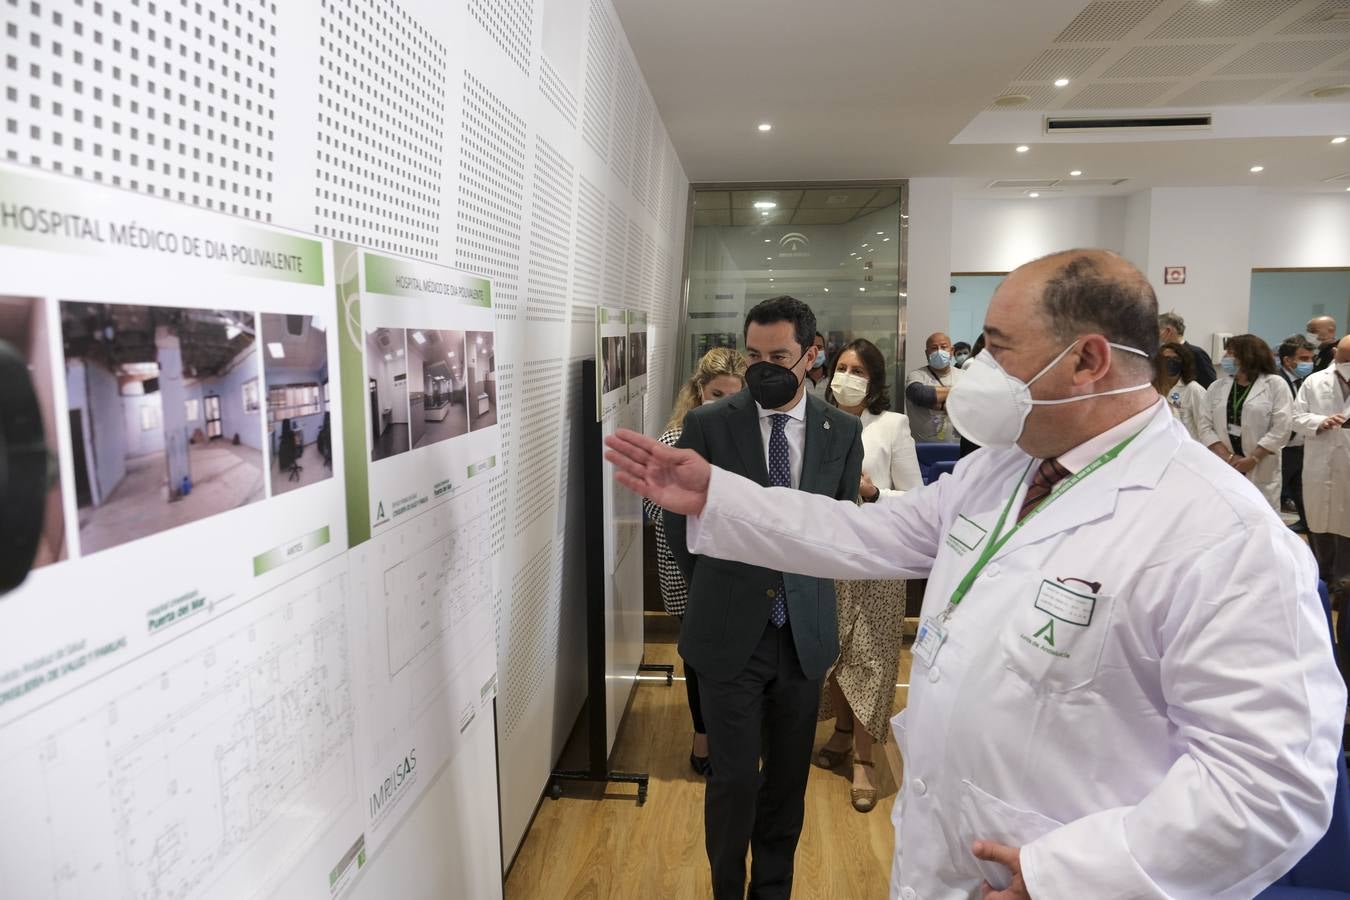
(965, 535)
(929, 641)
(1066, 605)
(1235, 431)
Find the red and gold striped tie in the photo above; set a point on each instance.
(1048, 474)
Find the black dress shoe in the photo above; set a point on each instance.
(700, 765)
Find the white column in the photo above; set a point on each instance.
(930, 266)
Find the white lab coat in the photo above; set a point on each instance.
(1181, 744)
(1187, 400)
(1326, 456)
(1267, 420)
(890, 458)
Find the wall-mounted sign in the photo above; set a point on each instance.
(1174, 275)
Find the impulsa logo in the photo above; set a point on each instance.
(402, 775)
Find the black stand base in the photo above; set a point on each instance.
(558, 776)
(660, 667)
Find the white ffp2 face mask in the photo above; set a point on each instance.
(990, 407)
(848, 389)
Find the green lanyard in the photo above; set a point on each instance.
(997, 540)
(1235, 403)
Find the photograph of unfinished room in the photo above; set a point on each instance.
(637, 354)
(387, 384)
(165, 415)
(612, 363)
(438, 408)
(482, 388)
(24, 331)
(299, 426)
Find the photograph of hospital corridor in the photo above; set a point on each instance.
(24, 331)
(165, 410)
(387, 374)
(482, 380)
(437, 403)
(299, 427)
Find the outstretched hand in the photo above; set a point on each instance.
(676, 480)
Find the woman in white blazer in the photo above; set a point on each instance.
(1248, 414)
(1174, 379)
(860, 687)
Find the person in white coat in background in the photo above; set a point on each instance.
(1248, 415)
(1320, 412)
(860, 687)
(1123, 684)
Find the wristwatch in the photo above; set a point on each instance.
(872, 499)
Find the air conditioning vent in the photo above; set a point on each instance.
(1052, 184)
(1116, 124)
(1023, 184)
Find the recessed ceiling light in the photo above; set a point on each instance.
(769, 258)
(1338, 140)
(885, 239)
(862, 289)
(765, 204)
(1034, 194)
(1023, 148)
(1076, 172)
(1331, 90)
(765, 126)
(276, 349)
(768, 241)
(770, 281)
(419, 337)
(827, 290)
(1012, 100)
(881, 232)
(1255, 169)
(1061, 82)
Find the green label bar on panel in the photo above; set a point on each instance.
(406, 278)
(482, 466)
(279, 556)
(355, 392)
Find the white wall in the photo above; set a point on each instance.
(998, 235)
(275, 377)
(104, 425)
(230, 387)
(142, 441)
(930, 264)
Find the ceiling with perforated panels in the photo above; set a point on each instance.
(1123, 54)
(878, 89)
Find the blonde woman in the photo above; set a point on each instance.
(720, 373)
(860, 688)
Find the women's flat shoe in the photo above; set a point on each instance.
(833, 759)
(864, 799)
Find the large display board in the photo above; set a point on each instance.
(260, 625)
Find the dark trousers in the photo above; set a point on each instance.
(695, 701)
(1333, 558)
(768, 710)
(1292, 489)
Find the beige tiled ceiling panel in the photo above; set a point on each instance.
(1061, 62)
(1286, 56)
(1206, 19)
(1331, 17)
(1107, 20)
(1116, 95)
(179, 105)
(1170, 60)
(1220, 93)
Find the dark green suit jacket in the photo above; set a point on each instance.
(729, 602)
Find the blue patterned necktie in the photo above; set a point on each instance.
(780, 475)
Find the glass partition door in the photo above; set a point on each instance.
(839, 248)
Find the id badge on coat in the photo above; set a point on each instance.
(1235, 431)
(929, 640)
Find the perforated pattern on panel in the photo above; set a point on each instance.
(648, 272)
(1231, 18)
(532, 637)
(381, 128)
(498, 487)
(552, 87)
(1319, 22)
(668, 196)
(665, 299)
(625, 121)
(590, 249)
(1175, 59)
(1243, 90)
(634, 287)
(616, 253)
(550, 235)
(642, 147)
(536, 487)
(1061, 63)
(177, 100)
(491, 193)
(656, 167)
(1285, 56)
(1106, 21)
(510, 23)
(599, 79)
(1106, 95)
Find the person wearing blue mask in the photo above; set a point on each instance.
(1248, 416)
(1297, 360)
(927, 388)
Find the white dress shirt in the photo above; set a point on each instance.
(796, 436)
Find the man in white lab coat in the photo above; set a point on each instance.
(1320, 409)
(1123, 685)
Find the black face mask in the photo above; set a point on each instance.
(772, 385)
(1173, 366)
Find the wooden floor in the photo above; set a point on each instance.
(597, 844)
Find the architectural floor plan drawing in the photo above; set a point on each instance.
(206, 775)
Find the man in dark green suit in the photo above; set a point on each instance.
(761, 640)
